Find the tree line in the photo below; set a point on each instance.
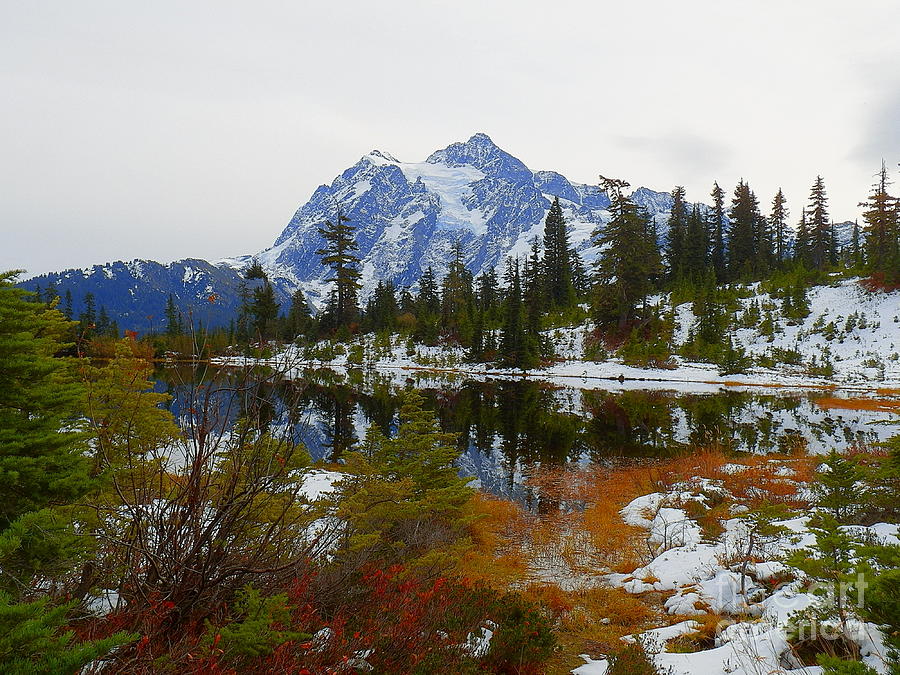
(708, 248)
(498, 316)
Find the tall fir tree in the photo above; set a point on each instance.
(778, 222)
(407, 302)
(743, 261)
(822, 245)
(534, 290)
(856, 250)
(382, 308)
(428, 301)
(695, 258)
(802, 244)
(764, 243)
(337, 253)
(299, 317)
(677, 223)
(104, 324)
(487, 298)
(67, 305)
(263, 305)
(173, 318)
(629, 259)
(457, 298)
(716, 228)
(581, 280)
(882, 228)
(557, 260)
(87, 320)
(41, 459)
(428, 307)
(517, 349)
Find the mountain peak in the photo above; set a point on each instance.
(481, 139)
(383, 155)
(482, 153)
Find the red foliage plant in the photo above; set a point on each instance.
(390, 618)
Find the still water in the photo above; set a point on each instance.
(506, 427)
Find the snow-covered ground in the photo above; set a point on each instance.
(703, 575)
(849, 329)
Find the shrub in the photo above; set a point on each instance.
(632, 660)
(523, 640)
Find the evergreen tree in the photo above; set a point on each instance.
(43, 463)
(743, 236)
(428, 307)
(856, 250)
(678, 224)
(822, 247)
(803, 246)
(629, 258)
(712, 321)
(580, 279)
(423, 454)
(882, 218)
(487, 298)
(696, 245)
(557, 261)
(840, 487)
(103, 322)
(263, 306)
(34, 639)
(337, 253)
(67, 305)
(764, 240)
(477, 347)
(428, 301)
(87, 320)
(517, 349)
(41, 459)
(52, 294)
(831, 563)
(778, 223)
(244, 322)
(716, 225)
(299, 316)
(407, 302)
(382, 309)
(173, 318)
(457, 298)
(533, 291)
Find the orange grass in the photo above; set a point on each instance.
(497, 529)
(762, 482)
(591, 621)
(580, 530)
(874, 404)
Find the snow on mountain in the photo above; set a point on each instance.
(408, 215)
(135, 293)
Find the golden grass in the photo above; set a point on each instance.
(497, 529)
(592, 621)
(580, 531)
(873, 404)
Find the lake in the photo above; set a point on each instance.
(507, 427)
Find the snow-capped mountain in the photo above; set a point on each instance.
(408, 215)
(135, 293)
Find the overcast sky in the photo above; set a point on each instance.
(166, 130)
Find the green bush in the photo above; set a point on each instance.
(523, 640)
(632, 660)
